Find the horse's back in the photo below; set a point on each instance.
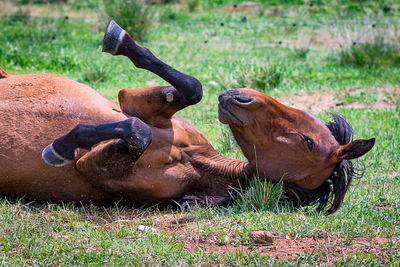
(35, 109)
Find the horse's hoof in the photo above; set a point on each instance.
(112, 38)
(52, 158)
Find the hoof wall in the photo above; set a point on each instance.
(113, 38)
(52, 158)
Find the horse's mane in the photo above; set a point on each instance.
(332, 191)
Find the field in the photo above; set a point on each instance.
(324, 56)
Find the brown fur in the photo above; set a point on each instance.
(37, 108)
(273, 137)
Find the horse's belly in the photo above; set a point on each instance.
(36, 181)
(161, 184)
(165, 170)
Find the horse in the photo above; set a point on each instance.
(62, 141)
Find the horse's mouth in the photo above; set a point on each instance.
(227, 117)
(231, 108)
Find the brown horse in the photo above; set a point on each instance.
(142, 153)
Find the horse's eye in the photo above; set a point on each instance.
(309, 142)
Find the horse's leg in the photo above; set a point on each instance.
(135, 136)
(118, 42)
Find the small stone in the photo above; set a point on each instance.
(322, 234)
(262, 237)
(142, 228)
(90, 249)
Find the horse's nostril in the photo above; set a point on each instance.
(243, 99)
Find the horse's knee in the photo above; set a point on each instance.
(138, 134)
(194, 90)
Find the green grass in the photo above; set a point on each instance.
(371, 47)
(294, 39)
(260, 195)
(262, 78)
(135, 16)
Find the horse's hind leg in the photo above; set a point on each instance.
(118, 42)
(135, 135)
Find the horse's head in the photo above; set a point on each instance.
(290, 145)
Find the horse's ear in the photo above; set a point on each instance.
(355, 149)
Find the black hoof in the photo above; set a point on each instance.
(113, 38)
(52, 158)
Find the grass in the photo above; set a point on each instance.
(372, 46)
(135, 16)
(262, 78)
(261, 195)
(222, 51)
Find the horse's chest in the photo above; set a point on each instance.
(167, 163)
(165, 172)
(169, 145)
(162, 174)
(166, 169)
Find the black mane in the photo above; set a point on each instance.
(332, 191)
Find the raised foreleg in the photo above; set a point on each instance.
(134, 135)
(186, 89)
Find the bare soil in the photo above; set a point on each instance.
(247, 8)
(324, 247)
(317, 102)
(61, 11)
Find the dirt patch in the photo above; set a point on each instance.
(61, 12)
(322, 246)
(313, 38)
(248, 8)
(323, 249)
(33, 11)
(378, 98)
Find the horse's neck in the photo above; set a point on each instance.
(217, 165)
